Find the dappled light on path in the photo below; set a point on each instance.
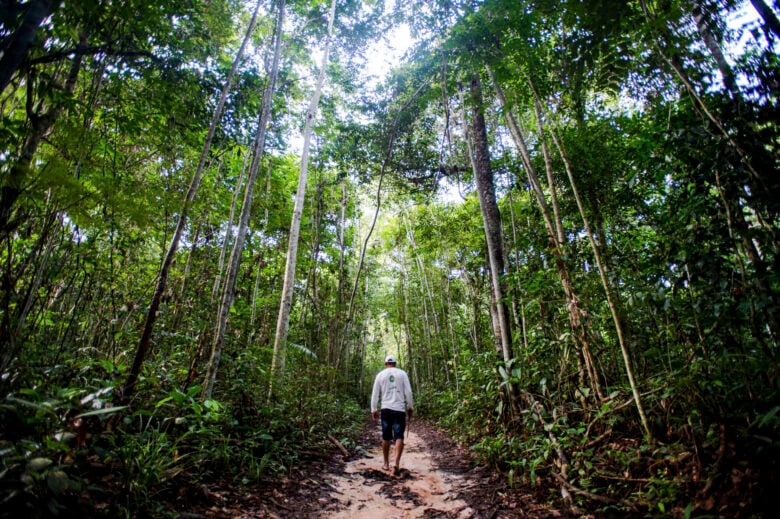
(420, 490)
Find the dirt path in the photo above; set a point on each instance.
(420, 490)
(437, 480)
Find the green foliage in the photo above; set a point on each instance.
(52, 447)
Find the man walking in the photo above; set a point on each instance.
(392, 385)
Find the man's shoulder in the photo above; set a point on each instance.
(383, 374)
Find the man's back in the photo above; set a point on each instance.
(392, 386)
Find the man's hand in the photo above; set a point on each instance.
(410, 412)
(375, 415)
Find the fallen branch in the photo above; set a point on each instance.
(590, 495)
(280, 505)
(338, 444)
(595, 441)
(622, 478)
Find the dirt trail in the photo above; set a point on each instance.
(420, 490)
(438, 480)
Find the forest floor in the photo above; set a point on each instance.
(437, 480)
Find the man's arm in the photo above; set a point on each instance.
(408, 396)
(375, 398)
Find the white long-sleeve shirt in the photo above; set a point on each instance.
(392, 386)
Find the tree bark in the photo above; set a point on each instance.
(283, 321)
(491, 217)
(768, 15)
(16, 48)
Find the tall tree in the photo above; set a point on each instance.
(229, 286)
(283, 320)
(491, 217)
(162, 278)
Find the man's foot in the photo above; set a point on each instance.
(385, 467)
(396, 471)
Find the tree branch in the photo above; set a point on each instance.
(84, 51)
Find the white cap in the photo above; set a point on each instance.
(389, 359)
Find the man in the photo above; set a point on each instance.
(392, 385)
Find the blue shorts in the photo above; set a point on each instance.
(393, 424)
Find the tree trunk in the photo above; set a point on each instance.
(178, 311)
(231, 275)
(713, 45)
(260, 263)
(283, 322)
(768, 15)
(229, 230)
(491, 217)
(576, 313)
(519, 306)
(452, 339)
(603, 274)
(427, 294)
(18, 44)
(10, 191)
(162, 279)
(408, 334)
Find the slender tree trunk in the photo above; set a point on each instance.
(12, 189)
(768, 15)
(699, 103)
(178, 311)
(38, 259)
(519, 306)
(378, 197)
(162, 278)
(333, 339)
(229, 230)
(426, 288)
(283, 322)
(16, 47)
(408, 333)
(491, 216)
(260, 263)
(453, 338)
(472, 294)
(231, 275)
(603, 274)
(713, 45)
(576, 314)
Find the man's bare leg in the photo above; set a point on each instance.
(399, 449)
(386, 454)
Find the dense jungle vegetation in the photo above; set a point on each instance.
(563, 217)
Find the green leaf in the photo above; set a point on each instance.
(38, 464)
(58, 481)
(107, 410)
